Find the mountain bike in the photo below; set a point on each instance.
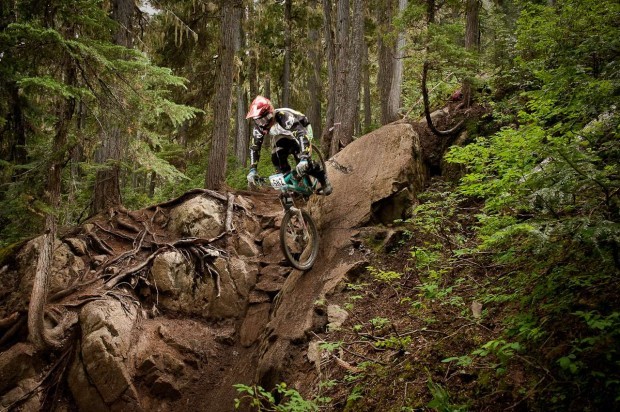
(299, 237)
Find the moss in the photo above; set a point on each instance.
(7, 253)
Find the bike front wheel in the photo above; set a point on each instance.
(299, 239)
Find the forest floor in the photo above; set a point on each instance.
(415, 306)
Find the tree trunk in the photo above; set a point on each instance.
(123, 13)
(17, 149)
(267, 87)
(243, 133)
(152, 184)
(76, 157)
(332, 67)
(315, 88)
(182, 141)
(107, 191)
(347, 108)
(430, 14)
(394, 97)
(386, 60)
(229, 30)
(286, 75)
(367, 106)
(38, 334)
(343, 13)
(472, 43)
(343, 22)
(253, 66)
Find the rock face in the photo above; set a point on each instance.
(17, 373)
(181, 289)
(198, 317)
(198, 217)
(99, 377)
(65, 269)
(375, 179)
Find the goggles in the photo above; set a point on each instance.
(263, 121)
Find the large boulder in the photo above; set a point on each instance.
(251, 313)
(17, 372)
(181, 289)
(375, 179)
(198, 217)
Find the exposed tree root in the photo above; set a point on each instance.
(229, 213)
(53, 377)
(74, 288)
(9, 320)
(124, 224)
(13, 330)
(346, 365)
(188, 195)
(122, 268)
(99, 244)
(120, 235)
(163, 248)
(158, 210)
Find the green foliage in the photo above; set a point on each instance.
(441, 399)
(394, 342)
(65, 54)
(356, 394)
(383, 276)
(259, 399)
(330, 346)
(550, 182)
(379, 322)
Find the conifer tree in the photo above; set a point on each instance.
(230, 19)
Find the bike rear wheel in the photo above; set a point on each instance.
(299, 239)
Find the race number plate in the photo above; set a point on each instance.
(277, 181)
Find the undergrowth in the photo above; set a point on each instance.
(456, 319)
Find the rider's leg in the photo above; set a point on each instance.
(285, 147)
(281, 150)
(317, 172)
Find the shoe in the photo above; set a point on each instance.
(326, 189)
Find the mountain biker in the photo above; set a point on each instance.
(292, 132)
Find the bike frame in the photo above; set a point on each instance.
(289, 182)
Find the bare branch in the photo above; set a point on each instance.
(427, 112)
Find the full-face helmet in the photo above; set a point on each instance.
(261, 110)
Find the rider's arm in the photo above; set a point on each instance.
(257, 143)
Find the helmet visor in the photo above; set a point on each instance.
(264, 120)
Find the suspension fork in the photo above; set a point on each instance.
(300, 215)
(287, 203)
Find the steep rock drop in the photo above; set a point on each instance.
(175, 304)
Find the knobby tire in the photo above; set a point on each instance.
(306, 259)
